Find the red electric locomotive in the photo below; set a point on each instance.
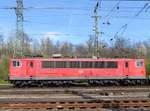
(39, 71)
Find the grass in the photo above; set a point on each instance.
(147, 64)
(3, 82)
(4, 70)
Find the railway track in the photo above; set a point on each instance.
(125, 103)
(90, 90)
(77, 93)
(75, 97)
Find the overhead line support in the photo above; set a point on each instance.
(96, 29)
(19, 24)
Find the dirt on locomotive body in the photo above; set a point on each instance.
(63, 71)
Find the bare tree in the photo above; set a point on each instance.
(2, 48)
(121, 47)
(56, 49)
(90, 45)
(47, 47)
(81, 50)
(26, 44)
(65, 49)
(36, 47)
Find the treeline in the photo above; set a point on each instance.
(119, 47)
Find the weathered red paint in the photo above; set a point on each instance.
(37, 72)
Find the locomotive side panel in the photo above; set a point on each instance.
(109, 72)
(59, 69)
(66, 69)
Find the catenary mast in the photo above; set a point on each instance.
(19, 25)
(96, 29)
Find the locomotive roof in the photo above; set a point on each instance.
(77, 59)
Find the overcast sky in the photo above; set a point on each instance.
(71, 20)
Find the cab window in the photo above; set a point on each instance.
(139, 63)
(17, 63)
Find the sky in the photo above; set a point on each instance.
(71, 20)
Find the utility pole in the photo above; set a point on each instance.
(19, 24)
(96, 29)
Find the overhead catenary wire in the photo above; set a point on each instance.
(141, 9)
(128, 17)
(65, 8)
(124, 26)
(113, 8)
(70, 8)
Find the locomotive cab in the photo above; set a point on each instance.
(140, 68)
(21, 69)
(134, 69)
(17, 69)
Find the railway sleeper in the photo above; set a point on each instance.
(74, 105)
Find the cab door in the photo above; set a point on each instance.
(126, 69)
(31, 70)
